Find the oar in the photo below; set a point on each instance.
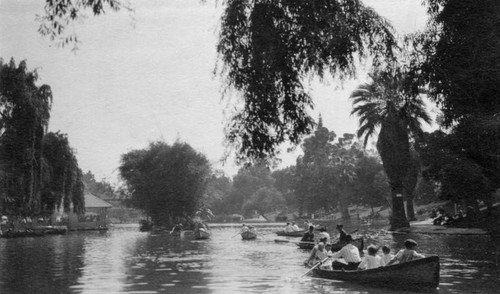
(315, 266)
(295, 242)
(236, 235)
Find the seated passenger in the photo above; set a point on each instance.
(350, 253)
(387, 255)
(324, 236)
(244, 228)
(309, 235)
(372, 260)
(288, 228)
(407, 254)
(319, 253)
(343, 234)
(295, 227)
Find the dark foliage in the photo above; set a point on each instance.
(166, 182)
(267, 48)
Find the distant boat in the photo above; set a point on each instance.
(248, 235)
(201, 234)
(417, 275)
(35, 232)
(358, 242)
(291, 234)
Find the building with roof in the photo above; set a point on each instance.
(96, 216)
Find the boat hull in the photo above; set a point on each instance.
(291, 234)
(421, 274)
(248, 235)
(201, 234)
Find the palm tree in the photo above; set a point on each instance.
(384, 104)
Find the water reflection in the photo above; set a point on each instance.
(126, 260)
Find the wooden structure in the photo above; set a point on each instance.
(95, 216)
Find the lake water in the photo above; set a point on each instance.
(124, 260)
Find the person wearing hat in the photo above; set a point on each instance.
(407, 254)
(343, 234)
(350, 254)
(295, 227)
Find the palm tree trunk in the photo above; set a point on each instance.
(398, 218)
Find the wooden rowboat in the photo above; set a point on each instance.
(201, 234)
(291, 234)
(248, 235)
(359, 242)
(417, 275)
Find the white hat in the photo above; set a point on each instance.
(4, 217)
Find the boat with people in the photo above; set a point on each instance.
(358, 242)
(291, 234)
(249, 235)
(416, 275)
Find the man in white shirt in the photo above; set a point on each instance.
(350, 254)
(295, 227)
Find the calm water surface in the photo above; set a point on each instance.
(124, 260)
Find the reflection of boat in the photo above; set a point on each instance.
(248, 235)
(291, 234)
(201, 234)
(359, 242)
(420, 274)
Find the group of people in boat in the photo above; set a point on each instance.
(291, 227)
(352, 259)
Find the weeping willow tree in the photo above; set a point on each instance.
(62, 178)
(24, 116)
(38, 171)
(268, 47)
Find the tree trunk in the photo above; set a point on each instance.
(398, 218)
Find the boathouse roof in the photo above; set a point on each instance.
(94, 201)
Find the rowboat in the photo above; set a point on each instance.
(359, 242)
(291, 234)
(421, 274)
(201, 234)
(248, 235)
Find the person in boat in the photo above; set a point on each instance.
(307, 223)
(372, 260)
(407, 254)
(387, 255)
(177, 228)
(324, 236)
(309, 235)
(295, 227)
(288, 228)
(319, 253)
(244, 228)
(343, 234)
(350, 254)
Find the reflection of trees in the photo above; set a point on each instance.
(40, 265)
(163, 261)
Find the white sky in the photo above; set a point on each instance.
(147, 77)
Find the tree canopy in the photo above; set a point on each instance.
(166, 181)
(268, 47)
